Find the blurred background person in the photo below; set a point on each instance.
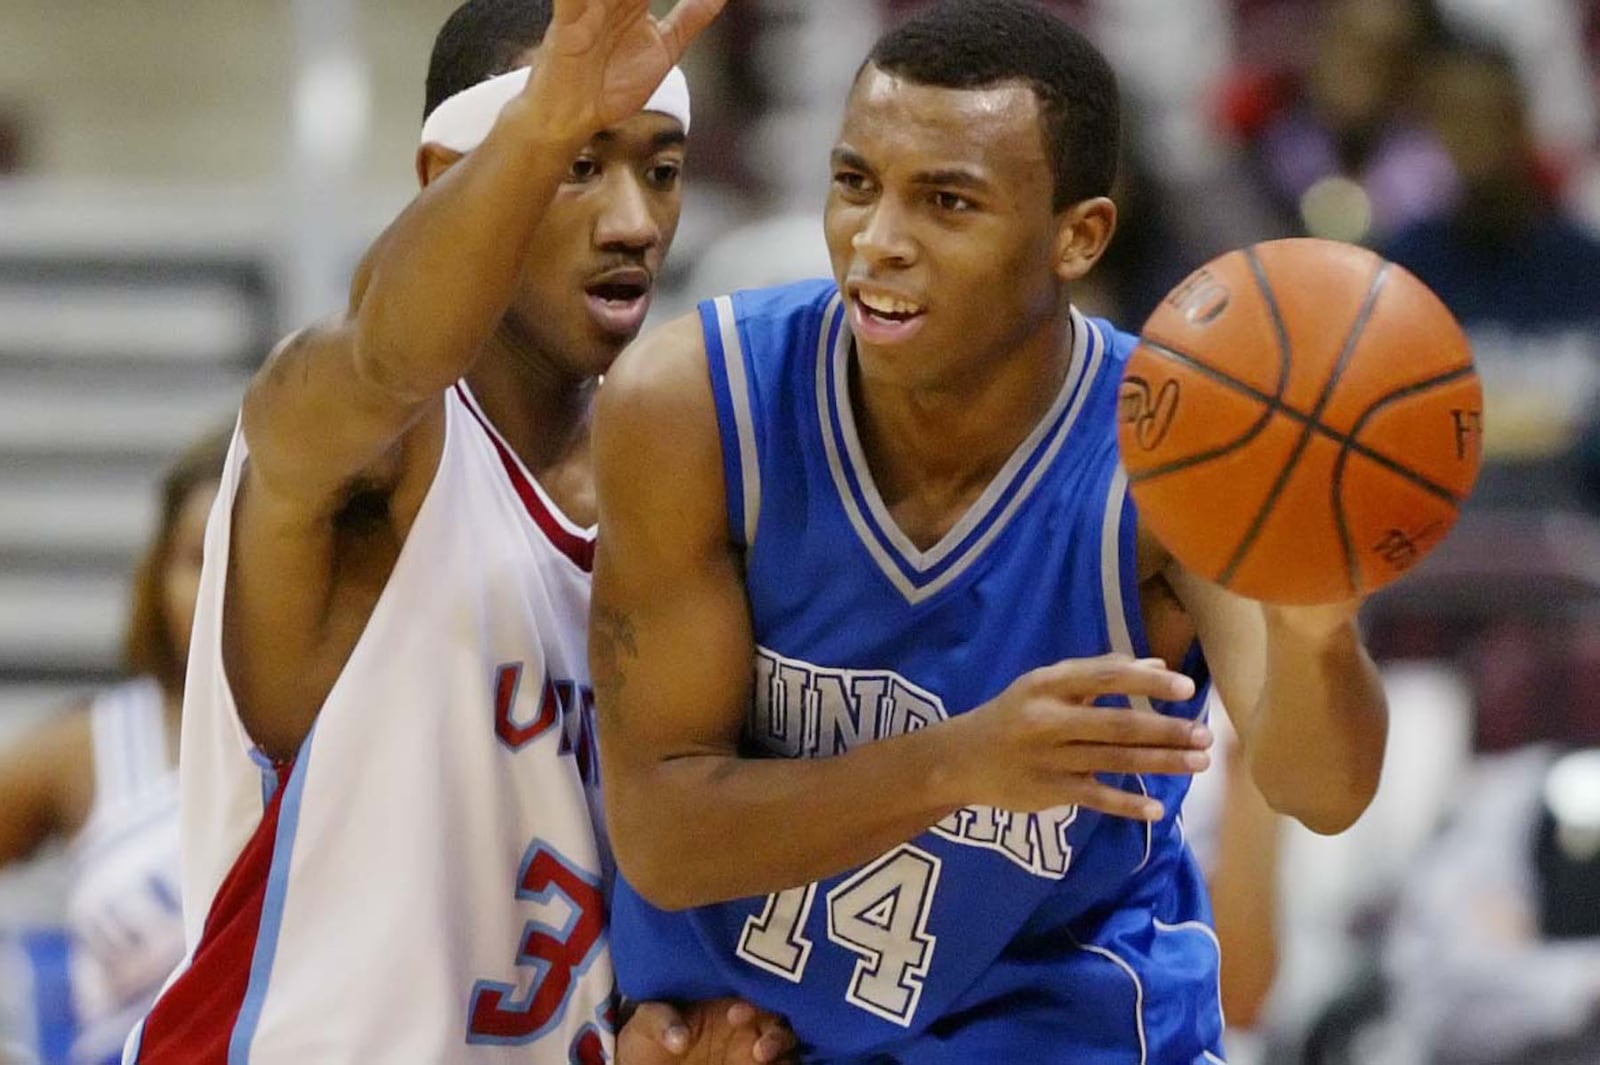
(1495, 956)
(103, 776)
(1520, 273)
(1332, 140)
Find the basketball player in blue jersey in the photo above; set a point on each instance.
(888, 740)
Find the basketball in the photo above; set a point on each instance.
(1301, 421)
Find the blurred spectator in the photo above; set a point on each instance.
(1544, 39)
(104, 776)
(1495, 953)
(1334, 145)
(1236, 838)
(1522, 276)
(1151, 251)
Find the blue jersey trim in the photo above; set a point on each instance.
(266, 951)
(269, 776)
(730, 387)
(920, 575)
(55, 1015)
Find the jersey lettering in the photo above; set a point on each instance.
(558, 946)
(561, 702)
(880, 914)
(800, 710)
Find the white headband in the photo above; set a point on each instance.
(462, 121)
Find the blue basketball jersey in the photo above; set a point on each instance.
(1065, 936)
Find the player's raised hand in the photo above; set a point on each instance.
(1039, 744)
(718, 1032)
(601, 60)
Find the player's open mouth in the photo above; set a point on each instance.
(619, 300)
(883, 317)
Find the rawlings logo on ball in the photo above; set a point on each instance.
(1201, 298)
(1148, 410)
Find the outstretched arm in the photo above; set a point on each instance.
(336, 403)
(673, 653)
(46, 785)
(1304, 695)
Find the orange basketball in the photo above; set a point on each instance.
(1301, 421)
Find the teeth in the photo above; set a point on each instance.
(887, 305)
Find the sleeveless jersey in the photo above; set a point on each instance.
(1064, 936)
(423, 882)
(123, 906)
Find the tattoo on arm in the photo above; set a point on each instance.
(615, 644)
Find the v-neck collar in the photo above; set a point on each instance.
(574, 541)
(916, 573)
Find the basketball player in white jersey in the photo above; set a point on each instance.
(389, 852)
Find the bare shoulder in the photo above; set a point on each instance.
(661, 372)
(658, 455)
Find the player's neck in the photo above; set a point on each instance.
(542, 411)
(933, 450)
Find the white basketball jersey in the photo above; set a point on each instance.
(123, 905)
(423, 884)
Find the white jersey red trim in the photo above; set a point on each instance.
(423, 884)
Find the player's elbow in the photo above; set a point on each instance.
(652, 872)
(1326, 810)
(650, 854)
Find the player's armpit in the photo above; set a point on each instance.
(315, 418)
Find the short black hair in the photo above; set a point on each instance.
(979, 44)
(480, 39)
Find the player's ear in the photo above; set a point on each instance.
(433, 160)
(1083, 232)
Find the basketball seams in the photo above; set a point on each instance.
(1273, 403)
(1269, 406)
(1345, 441)
(1258, 270)
(1336, 485)
(1314, 419)
(1389, 386)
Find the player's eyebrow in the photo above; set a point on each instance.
(953, 178)
(667, 138)
(849, 157)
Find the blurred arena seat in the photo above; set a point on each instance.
(127, 326)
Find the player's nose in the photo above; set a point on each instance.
(883, 238)
(626, 220)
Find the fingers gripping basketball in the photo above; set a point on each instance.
(1301, 421)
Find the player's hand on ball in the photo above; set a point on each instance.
(722, 1031)
(1039, 744)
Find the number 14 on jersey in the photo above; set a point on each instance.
(880, 914)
